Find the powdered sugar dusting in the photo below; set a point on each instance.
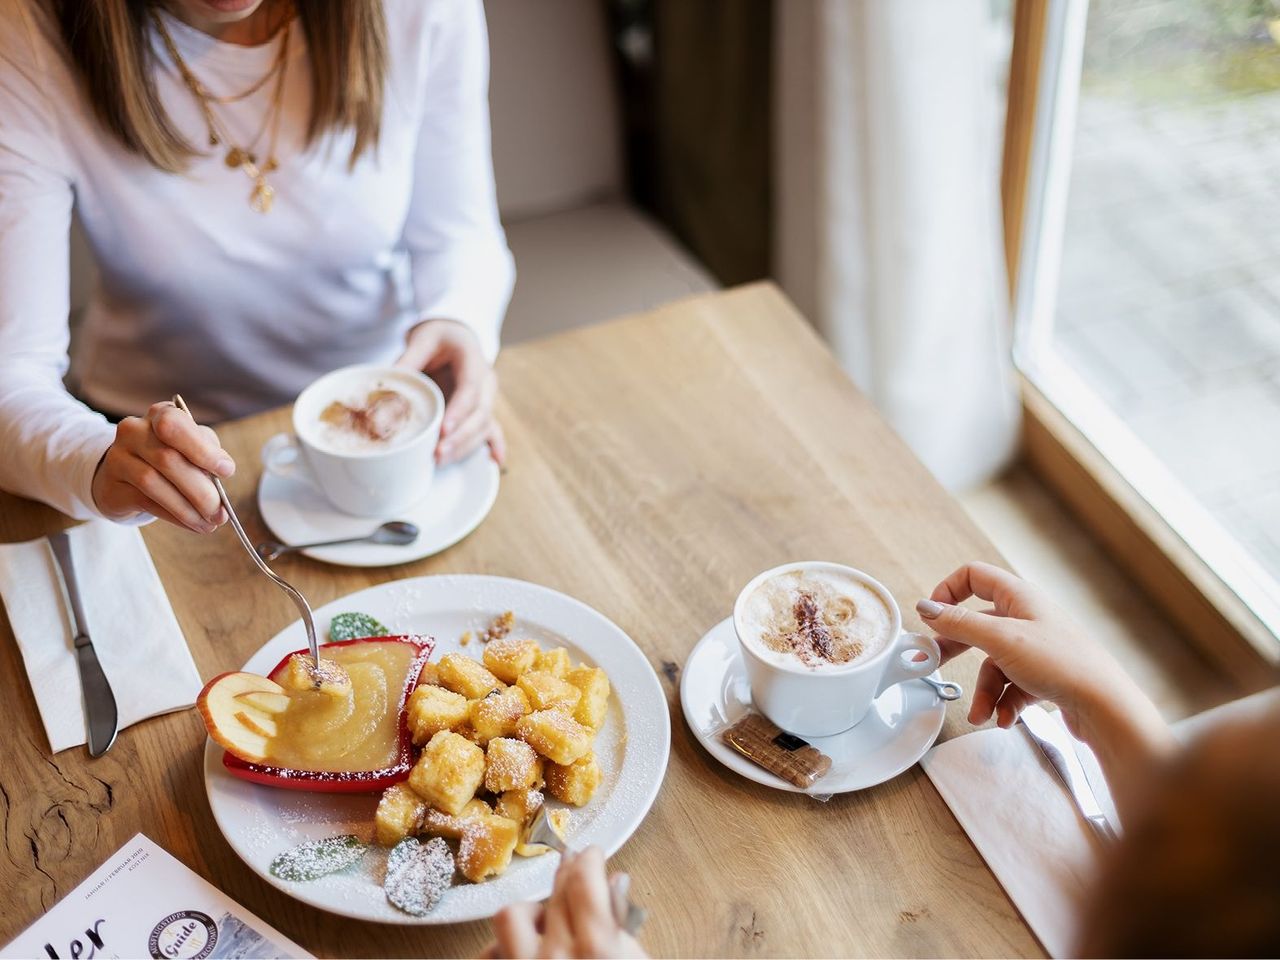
(418, 874)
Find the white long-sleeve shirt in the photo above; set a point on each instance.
(200, 294)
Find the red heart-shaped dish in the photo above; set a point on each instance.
(355, 729)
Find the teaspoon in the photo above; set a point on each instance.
(299, 601)
(396, 533)
(946, 689)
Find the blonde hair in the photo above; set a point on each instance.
(110, 48)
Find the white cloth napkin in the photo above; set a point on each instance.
(1022, 820)
(134, 631)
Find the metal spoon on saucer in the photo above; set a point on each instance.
(396, 533)
(308, 621)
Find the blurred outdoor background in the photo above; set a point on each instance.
(1169, 301)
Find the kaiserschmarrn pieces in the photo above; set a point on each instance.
(594, 702)
(437, 823)
(466, 676)
(486, 845)
(519, 723)
(496, 714)
(511, 656)
(546, 691)
(555, 735)
(432, 709)
(519, 805)
(555, 662)
(399, 815)
(429, 675)
(576, 783)
(511, 765)
(449, 772)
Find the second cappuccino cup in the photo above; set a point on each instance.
(362, 477)
(821, 698)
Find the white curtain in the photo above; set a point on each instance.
(888, 230)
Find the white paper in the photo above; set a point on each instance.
(1017, 812)
(133, 628)
(1019, 815)
(144, 903)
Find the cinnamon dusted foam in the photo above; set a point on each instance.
(820, 618)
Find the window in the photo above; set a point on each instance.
(1148, 299)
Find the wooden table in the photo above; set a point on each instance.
(657, 463)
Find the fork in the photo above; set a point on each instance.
(308, 621)
(629, 916)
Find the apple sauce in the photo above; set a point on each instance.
(356, 730)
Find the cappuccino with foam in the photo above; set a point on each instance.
(382, 413)
(821, 618)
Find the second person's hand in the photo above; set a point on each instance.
(450, 353)
(159, 464)
(1036, 651)
(576, 921)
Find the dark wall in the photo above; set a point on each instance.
(695, 77)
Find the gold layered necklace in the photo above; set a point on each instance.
(243, 157)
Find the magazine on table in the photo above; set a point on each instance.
(144, 903)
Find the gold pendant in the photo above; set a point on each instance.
(262, 197)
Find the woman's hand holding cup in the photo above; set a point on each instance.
(450, 353)
(160, 464)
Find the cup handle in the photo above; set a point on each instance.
(901, 668)
(282, 456)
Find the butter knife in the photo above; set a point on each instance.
(101, 720)
(1058, 746)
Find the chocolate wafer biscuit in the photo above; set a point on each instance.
(781, 753)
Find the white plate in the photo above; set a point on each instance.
(632, 748)
(460, 497)
(900, 728)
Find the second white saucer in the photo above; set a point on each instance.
(902, 725)
(461, 496)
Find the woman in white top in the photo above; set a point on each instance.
(271, 189)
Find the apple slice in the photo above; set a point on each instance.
(266, 701)
(224, 713)
(259, 723)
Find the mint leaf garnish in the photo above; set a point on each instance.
(353, 626)
(318, 858)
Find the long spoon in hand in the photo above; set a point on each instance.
(298, 599)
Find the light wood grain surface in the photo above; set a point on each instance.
(657, 463)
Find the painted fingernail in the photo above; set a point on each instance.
(224, 467)
(929, 608)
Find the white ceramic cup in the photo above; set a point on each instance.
(826, 700)
(368, 483)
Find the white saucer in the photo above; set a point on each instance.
(461, 496)
(902, 725)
